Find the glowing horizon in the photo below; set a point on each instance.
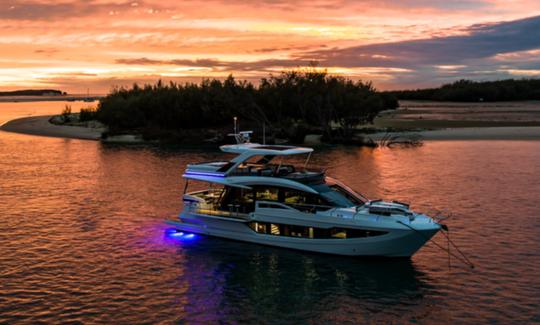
(74, 45)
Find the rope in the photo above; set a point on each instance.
(457, 248)
(464, 260)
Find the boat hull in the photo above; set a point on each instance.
(396, 243)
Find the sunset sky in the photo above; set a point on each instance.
(75, 45)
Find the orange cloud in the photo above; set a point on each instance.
(100, 43)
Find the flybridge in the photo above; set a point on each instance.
(244, 168)
(261, 149)
(240, 166)
(253, 163)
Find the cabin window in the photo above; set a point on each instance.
(243, 200)
(299, 197)
(299, 231)
(338, 233)
(304, 201)
(312, 232)
(261, 227)
(267, 193)
(238, 200)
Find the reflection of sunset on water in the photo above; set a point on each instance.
(82, 224)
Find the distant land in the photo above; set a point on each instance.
(33, 92)
(476, 91)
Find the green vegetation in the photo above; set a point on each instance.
(33, 92)
(289, 105)
(66, 114)
(471, 91)
(87, 114)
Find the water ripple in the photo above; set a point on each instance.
(82, 240)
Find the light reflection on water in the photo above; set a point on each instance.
(82, 239)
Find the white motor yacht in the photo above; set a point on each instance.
(252, 199)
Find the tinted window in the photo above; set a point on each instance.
(238, 200)
(312, 232)
(338, 195)
(266, 193)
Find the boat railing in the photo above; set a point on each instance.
(272, 205)
(285, 171)
(268, 170)
(310, 208)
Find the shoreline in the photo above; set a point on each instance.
(40, 126)
(469, 133)
(62, 98)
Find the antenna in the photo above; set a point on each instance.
(264, 134)
(240, 136)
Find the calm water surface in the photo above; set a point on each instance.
(82, 239)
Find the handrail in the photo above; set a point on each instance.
(292, 205)
(258, 203)
(312, 205)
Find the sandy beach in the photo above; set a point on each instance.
(442, 115)
(471, 133)
(70, 98)
(429, 120)
(39, 125)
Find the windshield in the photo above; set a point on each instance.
(340, 195)
(352, 196)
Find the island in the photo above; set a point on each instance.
(33, 92)
(476, 91)
(285, 107)
(299, 106)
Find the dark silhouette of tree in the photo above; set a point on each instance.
(288, 104)
(472, 91)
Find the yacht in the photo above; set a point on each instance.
(255, 197)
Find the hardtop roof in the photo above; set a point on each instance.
(260, 149)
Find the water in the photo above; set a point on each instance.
(82, 239)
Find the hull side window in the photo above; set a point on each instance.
(312, 232)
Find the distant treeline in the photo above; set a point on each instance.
(289, 105)
(472, 91)
(33, 92)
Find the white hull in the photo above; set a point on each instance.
(397, 243)
(282, 205)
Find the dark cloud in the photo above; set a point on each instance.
(287, 48)
(46, 51)
(261, 65)
(102, 85)
(204, 63)
(483, 41)
(425, 62)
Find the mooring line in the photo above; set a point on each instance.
(457, 248)
(464, 260)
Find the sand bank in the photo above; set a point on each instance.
(70, 98)
(476, 133)
(39, 125)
